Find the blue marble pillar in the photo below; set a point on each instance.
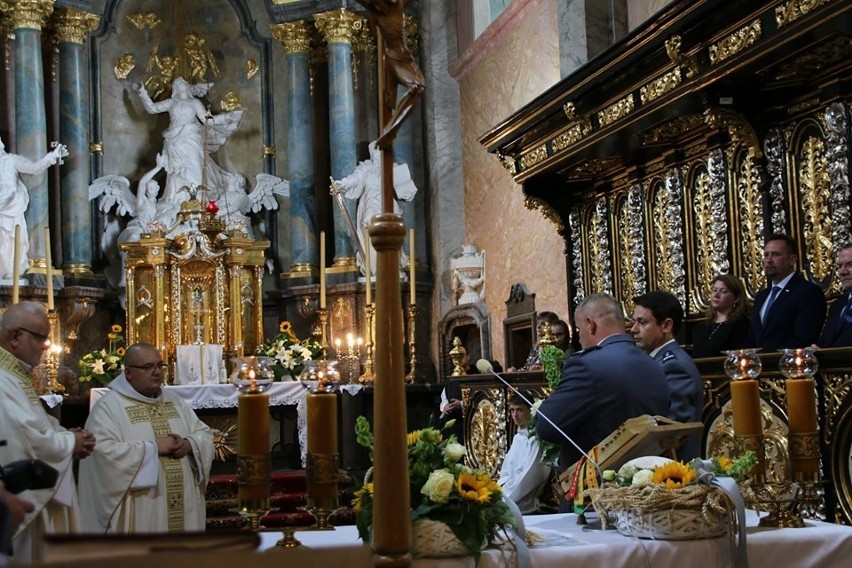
(31, 131)
(74, 133)
(337, 28)
(300, 152)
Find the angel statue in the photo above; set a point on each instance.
(14, 199)
(365, 185)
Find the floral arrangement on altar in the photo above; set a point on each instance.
(465, 500)
(289, 353)
(552, 359)
(103, 365)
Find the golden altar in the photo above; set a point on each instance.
(205, 285)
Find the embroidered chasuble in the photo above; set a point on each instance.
(31, 433)
(124, 486)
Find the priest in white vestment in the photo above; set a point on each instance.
(150, 470)
(523, 475)
(31, 433)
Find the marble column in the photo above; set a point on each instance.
(72, 27)
(337, 28)
(27, 18)
(295, 38)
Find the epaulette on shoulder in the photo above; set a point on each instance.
(668, 356)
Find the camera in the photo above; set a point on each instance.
(28, 474)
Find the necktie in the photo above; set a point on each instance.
(846, 309)
(769, 301)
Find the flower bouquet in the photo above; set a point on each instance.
(106, 364)
(455, 511)
(653, 497)
(289, 353)
(552, 359)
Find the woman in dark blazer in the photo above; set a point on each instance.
(727, 323)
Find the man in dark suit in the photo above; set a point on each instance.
(657, 318)
(838, 323)
(603, 385)
(791, 310)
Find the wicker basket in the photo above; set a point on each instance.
(651, 511)
(434, 539)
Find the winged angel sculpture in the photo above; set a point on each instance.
(192, 135)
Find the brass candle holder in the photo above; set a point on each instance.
(412, 344)
(322, 313)
(457, 354)
(368, 377)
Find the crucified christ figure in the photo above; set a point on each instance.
(386, 16)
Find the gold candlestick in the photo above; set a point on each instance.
(54, 354)
(412, 343)
(368, 377)
(322, 313)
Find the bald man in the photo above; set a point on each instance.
(31, 433)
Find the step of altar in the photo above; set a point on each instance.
(287, 497)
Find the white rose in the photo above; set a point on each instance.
(438, 486)
(642, 477)
(454, 451)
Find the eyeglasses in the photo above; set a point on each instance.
(39, 337)
(149, 366)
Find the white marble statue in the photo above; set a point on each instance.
(14, 199)
(365, 185)
(469, 275)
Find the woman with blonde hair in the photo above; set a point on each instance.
(726, 325)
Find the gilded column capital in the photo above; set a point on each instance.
(339, 26)
(29, 14)
(73, 26)
(294, 37)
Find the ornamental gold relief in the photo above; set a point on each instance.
(74, 26)
(631, 245)
(837, 388)
(576, 239)
(574, 134)
(27, 14)
(616, 111)
(836, 123)
(600, 262)
(774, 151)
(736, 42)
(338, 26)
(294, 37)
(487, 442)
(671, 130)
(549, 213)
(144, 20)
(794, 9)
(534, 157)
(660, 86)
(813, 188)
(749, 211)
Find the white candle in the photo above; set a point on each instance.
(49, 269)
(368, 254)
(411, 263)
(16, 266)
(322, 270)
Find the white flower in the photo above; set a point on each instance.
(438, 486)
(454, 451)
(98, 367)
(304, 352)
(642, 477)
(534, 408)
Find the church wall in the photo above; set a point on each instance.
(640, 10)
(519, 62)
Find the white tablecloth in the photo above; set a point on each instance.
(822, 545)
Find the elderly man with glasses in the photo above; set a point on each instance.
(29, 432)
(149, 472)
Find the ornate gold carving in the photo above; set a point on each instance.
(142, 20)
(711, 229)
(816, 59)
(836, 122)
(74, 25)
(231, 102)
(294, 37)
(28, 14)
(269, 150)
(507, 161)
(774, 152)
(671, 130)
(837, 389)
(96, 147)
(574, 134)
(338, 26)
(688, 64)
(600, 261)
(738, 128)
(620, 181)
(668, 236)
(750, 221)
(631, 249)
(803, 106)
(576, 239)
(124, 65)
(570, 111)
(654, 167)
(795, 9)
(813, 185)
(616, 111)
(736, 42)
(590, 169)
(660, 86)
(487, 446)
(252, 69)
(695, 150)
(549, 213)
(534, 157)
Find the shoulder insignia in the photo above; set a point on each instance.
(668, 356)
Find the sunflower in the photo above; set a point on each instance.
(116, 328)
(413, 437)
(673, 475)
(724, 463)
(120, 351)
(365, 491)
(477, 488)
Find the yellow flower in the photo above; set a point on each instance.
(413, 437)
(112, 336)
(120, 351)
(285, 327)
(365, 491)
(116, 328)
(477, 488)
(724, 463)
(673, 475)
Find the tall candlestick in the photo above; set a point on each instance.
(802, 420)
(745, 401)
(369, 248)
(411, 265)
(49, 269)
(16, 265)
(322, 449)
(322, 270)
(253, 467)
